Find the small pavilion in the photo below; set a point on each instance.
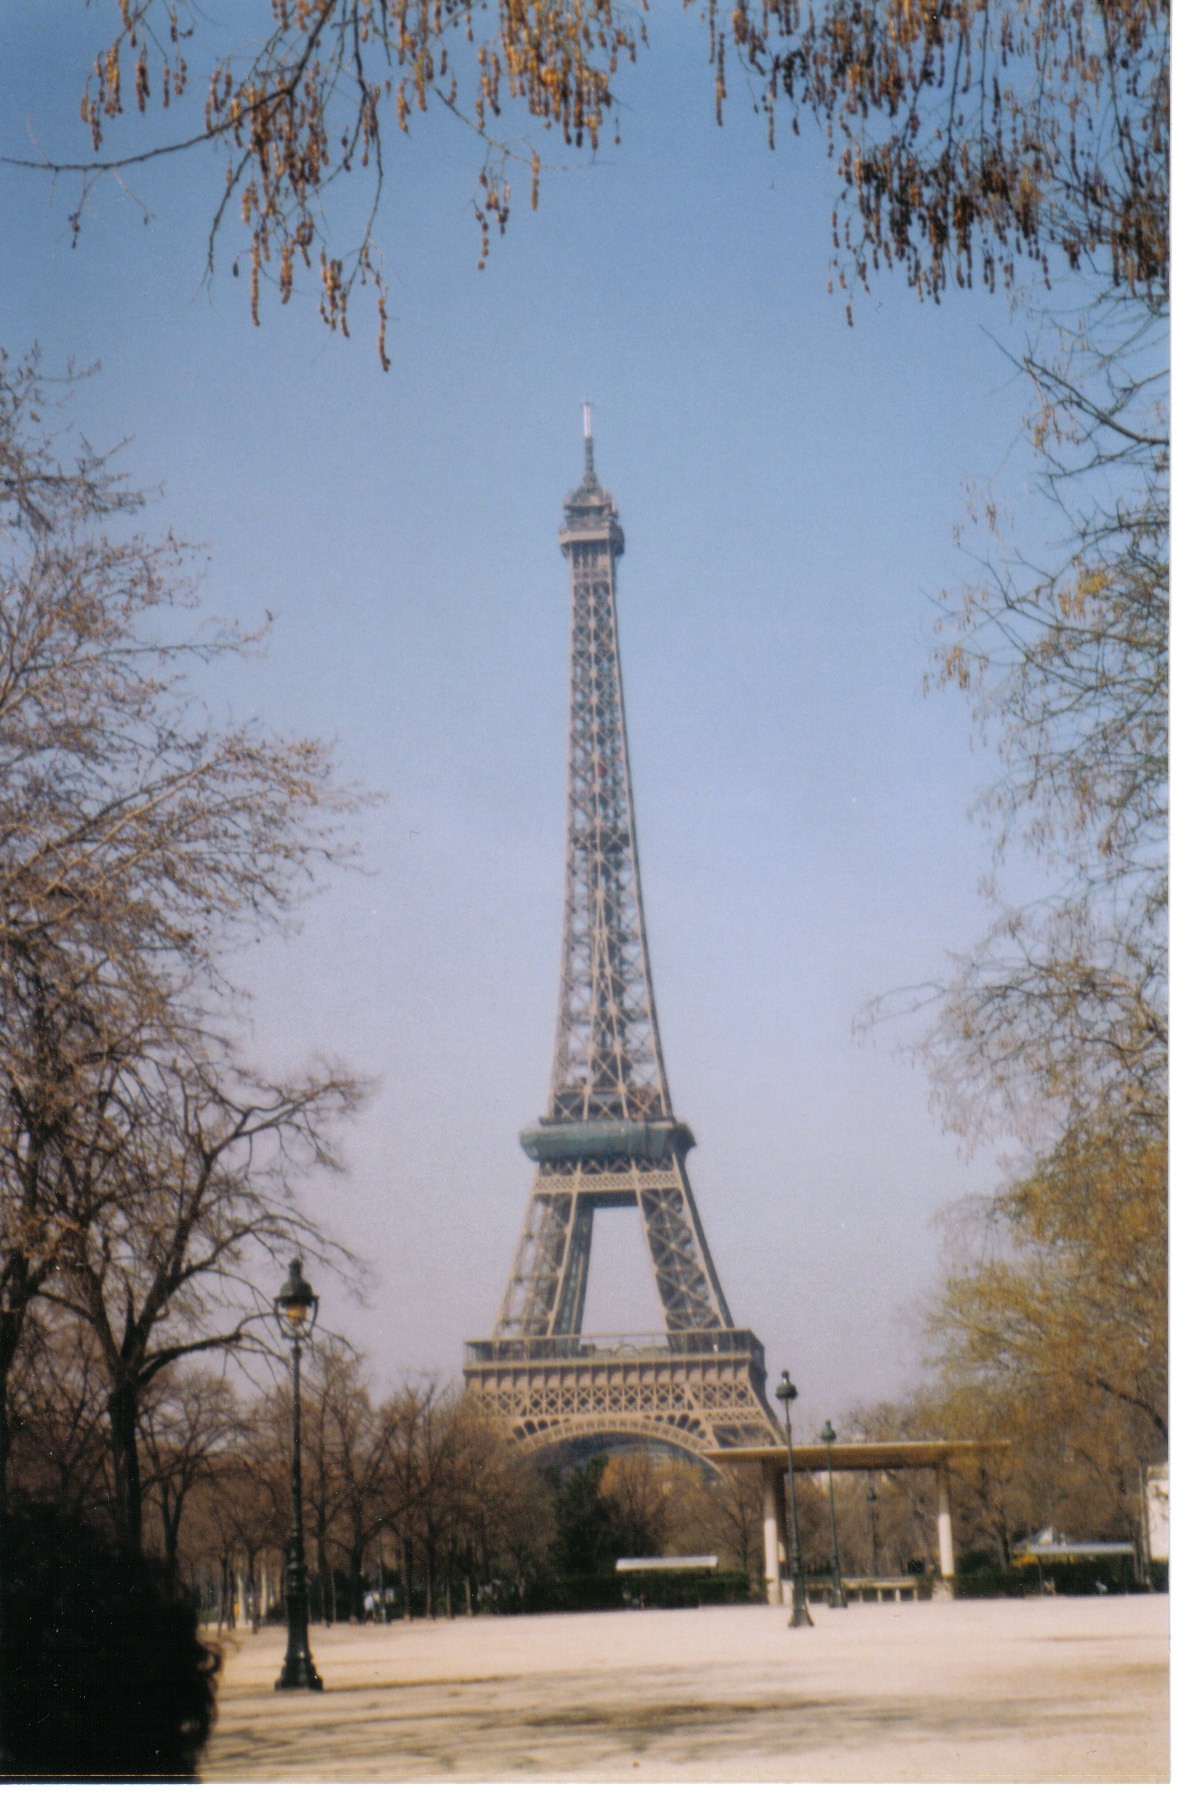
(852, 1456)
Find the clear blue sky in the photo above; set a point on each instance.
(789, 489)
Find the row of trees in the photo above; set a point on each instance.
(415, 1503)
(148, 1175)
(1051, 1326)
(417, 1481)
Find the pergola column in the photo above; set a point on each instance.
(946, 1543)
(772, 1506)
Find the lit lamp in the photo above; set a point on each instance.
(836, 1600)
(787, 1393)
(296, 1307)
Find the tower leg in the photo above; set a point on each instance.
(772, 1505)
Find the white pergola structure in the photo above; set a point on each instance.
(852, 1456)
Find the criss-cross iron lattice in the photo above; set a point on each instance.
(607, 1060)
(609, 1137)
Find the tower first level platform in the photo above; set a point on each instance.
(700, 1391)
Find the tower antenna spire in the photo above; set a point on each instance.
(588, 444)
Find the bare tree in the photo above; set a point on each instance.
(59, 1428)
(354, 1440)
(240, 1514)
(438, 1452)
(502, 1515)
(1054, 1308)
(137, 844)
(206, 1175)
(187, 1421)
(1061, 1011)
(733, 1508)
(639, 1488)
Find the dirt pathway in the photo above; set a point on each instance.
(1051, 1689)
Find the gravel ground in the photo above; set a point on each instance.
(1043, 1690)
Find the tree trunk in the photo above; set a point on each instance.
(7, 1341)
(357, 1581)
(322, 1580)
(253, 1590)
(407, 1567)
(8, 1344)
(170, 1519)
(225, 1606)
(123, 1410)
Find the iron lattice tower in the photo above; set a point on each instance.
(609, 1136)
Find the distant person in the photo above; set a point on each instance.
(103, 1673)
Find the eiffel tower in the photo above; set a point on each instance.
(609, 1136)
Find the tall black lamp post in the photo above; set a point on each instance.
(295, 1310)
(871, 1498)
(787, 1393)
(836, 1599)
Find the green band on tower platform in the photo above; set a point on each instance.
(607, 1138)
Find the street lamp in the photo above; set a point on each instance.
(871, 1498)
(295, 1310)
(786, 1393)
(836, 1600)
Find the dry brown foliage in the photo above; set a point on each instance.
(967, 136)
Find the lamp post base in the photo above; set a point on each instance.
(299, 1673)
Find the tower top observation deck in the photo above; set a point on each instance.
(590, 514)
